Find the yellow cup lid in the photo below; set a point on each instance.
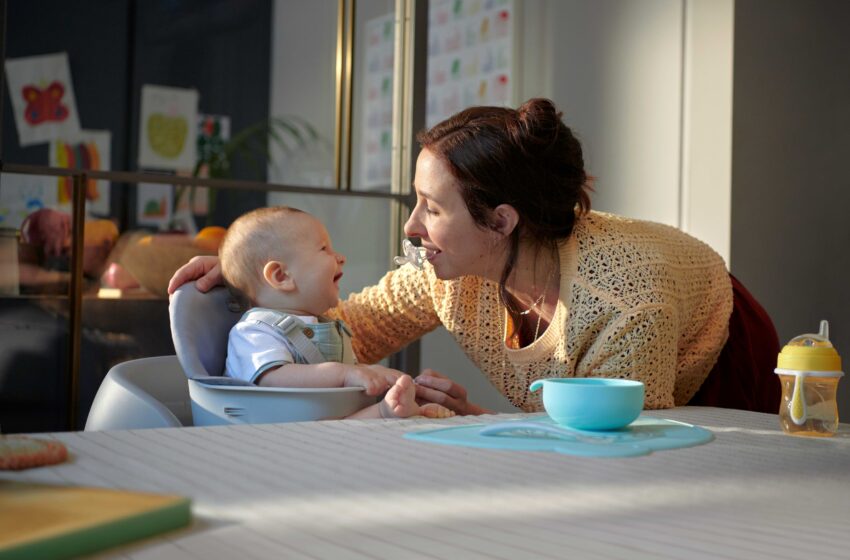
(810, 352)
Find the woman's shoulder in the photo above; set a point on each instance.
(641, 262)
(604, 232)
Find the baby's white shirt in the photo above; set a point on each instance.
(254, 347)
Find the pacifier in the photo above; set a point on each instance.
(412, 254)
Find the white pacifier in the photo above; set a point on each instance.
(412, 254)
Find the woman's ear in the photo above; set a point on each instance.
(504, 219)
(277, 277)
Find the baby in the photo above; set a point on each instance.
(281, 263)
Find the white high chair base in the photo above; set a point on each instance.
(214, 403)
(142, 393)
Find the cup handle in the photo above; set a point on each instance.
(797, 405)
(535, 385)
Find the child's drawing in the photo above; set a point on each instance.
(42, 98)
(91, 149)
(167, 126)
(21, 195)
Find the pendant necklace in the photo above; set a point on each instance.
(539, 316)
(540, 300)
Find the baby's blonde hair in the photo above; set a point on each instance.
(251, 241)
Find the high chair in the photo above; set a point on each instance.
(200, 323)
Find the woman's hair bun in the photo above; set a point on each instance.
(538, 109)
(539, 123)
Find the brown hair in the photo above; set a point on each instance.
(527, 158)
(255, 238)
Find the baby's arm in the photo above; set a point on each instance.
(374, 378)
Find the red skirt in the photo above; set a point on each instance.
(743, 375)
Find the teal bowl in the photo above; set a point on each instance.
(591, 403)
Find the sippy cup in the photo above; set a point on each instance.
(809, 369)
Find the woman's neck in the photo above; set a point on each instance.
(534, 277)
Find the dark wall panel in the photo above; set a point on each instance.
(222, 49)
(94, 34)
(790, 180)
(219, 47)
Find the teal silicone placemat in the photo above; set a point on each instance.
(641, 437)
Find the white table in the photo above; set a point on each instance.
(356, 489)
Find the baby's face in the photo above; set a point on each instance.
(314, 265)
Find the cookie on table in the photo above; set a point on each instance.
(22, 452)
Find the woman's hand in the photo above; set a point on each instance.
(204, 269)
(437, 388)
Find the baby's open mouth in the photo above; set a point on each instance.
(337, 277)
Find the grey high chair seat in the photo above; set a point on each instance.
(142, 393)
(200, 323)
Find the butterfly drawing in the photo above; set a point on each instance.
(44, 104)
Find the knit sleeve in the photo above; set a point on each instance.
(640, 344)
(389, 315)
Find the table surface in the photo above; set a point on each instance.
(357, 489)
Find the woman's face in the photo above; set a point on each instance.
(455, 245)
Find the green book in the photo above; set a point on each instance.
(41, 521)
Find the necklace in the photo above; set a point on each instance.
(540, 300)
(537, 302)
(539, 316)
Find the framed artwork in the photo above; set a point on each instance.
(21, 195)
(470, 56)
(42, 98)
(167, 125)
(153, 205)
(90, 149)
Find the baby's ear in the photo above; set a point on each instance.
(277, 276)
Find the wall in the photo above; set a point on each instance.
(616, 68)
(791, 188)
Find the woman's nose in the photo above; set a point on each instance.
(413, 227)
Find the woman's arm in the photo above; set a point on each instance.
(385, 317)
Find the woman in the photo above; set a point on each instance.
(532, 284)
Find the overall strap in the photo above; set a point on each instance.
(292, 328)
(348, 355)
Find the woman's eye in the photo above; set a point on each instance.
(430, 212)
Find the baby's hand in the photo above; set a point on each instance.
(375, 379)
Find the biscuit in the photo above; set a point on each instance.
(22, 452)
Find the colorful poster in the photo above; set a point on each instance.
(376, 138)
(90, 149)
(470, 53)
(213, 133)
(42, 98)
(21, 195)
(153, 205)
(167, 123)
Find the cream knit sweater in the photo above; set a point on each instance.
(639, 300)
